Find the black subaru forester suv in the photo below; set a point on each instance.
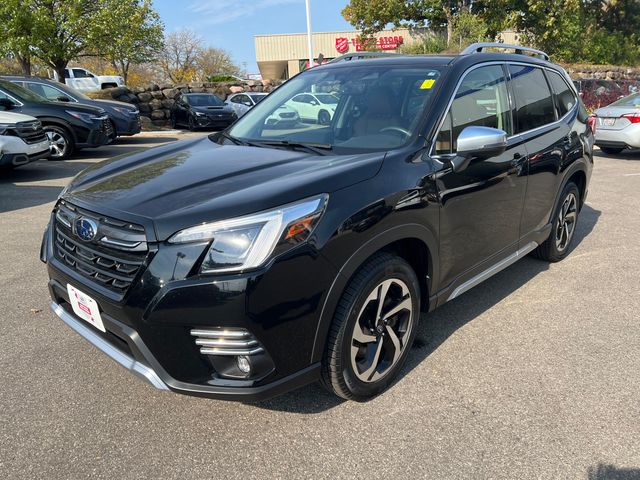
(259, 259)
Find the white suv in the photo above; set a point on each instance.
(22, 140)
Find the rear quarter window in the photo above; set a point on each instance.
(565, 98)
(534, 104)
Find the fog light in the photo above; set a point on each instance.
(244, 365)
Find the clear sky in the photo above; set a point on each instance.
(231, 24)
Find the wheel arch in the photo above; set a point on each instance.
(413, 242)
(59, 123)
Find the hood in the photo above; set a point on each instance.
(114, 103)
(76, 107)
(11, 118)
(195, 181)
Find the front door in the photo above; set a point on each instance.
(481, 206)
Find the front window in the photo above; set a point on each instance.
(20, 93)
(203, 100)
(357, 109)
(482, 101)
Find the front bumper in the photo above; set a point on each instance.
(127, 126)
(628, 137)
(150, 326)
(140, 362)
(14, 151)
(213, 122)
(100, 134)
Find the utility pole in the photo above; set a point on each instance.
(309, 35)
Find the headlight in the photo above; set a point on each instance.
(248, 242)
(4, 127)
(199, 114)
(124, 111)
(86, 117)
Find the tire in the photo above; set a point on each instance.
(62, 145)
(565, 220)
(611, 150)
(191, 124)
(324, 118)
(172, 121)
(362, 357)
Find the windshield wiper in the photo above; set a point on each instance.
(235, 140)
(317, 148)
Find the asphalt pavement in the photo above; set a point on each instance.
(533, 374)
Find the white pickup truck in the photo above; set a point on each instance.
(85, 81)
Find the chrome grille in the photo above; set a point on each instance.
(30, 132)
(112, 259)
(228, 342)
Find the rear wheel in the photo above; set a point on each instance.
(60, 142)
(612, 150)
(373, 329)
(565, 219)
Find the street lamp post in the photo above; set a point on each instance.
(309, 35)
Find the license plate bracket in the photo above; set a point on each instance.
(85, 307)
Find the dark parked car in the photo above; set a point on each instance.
(201, 110)
(258, 259)
(125, 118)
(69, 126)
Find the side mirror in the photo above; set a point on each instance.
(248, 104)
(314, 103)
(478, 143)
(6, 104)
(63, 98)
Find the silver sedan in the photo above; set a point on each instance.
(618, 125)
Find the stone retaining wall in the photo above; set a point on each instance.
(156, 100)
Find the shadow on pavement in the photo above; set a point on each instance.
(628, 155)
(611, 472)
(436, 327)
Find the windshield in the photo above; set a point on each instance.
(358, 109)
(203, 100)
(630, 101)
(21, 93)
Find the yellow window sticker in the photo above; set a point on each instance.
(427, 84)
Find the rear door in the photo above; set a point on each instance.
(550, 141)
(482, 205)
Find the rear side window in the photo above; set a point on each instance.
(482, 101)
(565, 98)
(534, 104)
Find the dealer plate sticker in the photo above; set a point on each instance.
(85, 307)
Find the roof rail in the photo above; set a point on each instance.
(360, 56)
(519, 49)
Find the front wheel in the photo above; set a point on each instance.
(60, 142)
(192, 124)
(373, 328)
(565, 219)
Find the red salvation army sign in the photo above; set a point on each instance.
(381, 43)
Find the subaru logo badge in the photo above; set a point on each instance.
(86, 229)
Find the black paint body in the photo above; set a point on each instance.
(450, 226)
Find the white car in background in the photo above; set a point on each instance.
(85, 81)
(618, 125)
(22, 140)
(283, 117)
(243, 102)
(315, 107)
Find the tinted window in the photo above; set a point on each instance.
(257, 98)
(46, 91)
(565, 98)
(79, 73)
(534, 105)
(630, 101)
(237, 99)
(328, 99)
(481, 100)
